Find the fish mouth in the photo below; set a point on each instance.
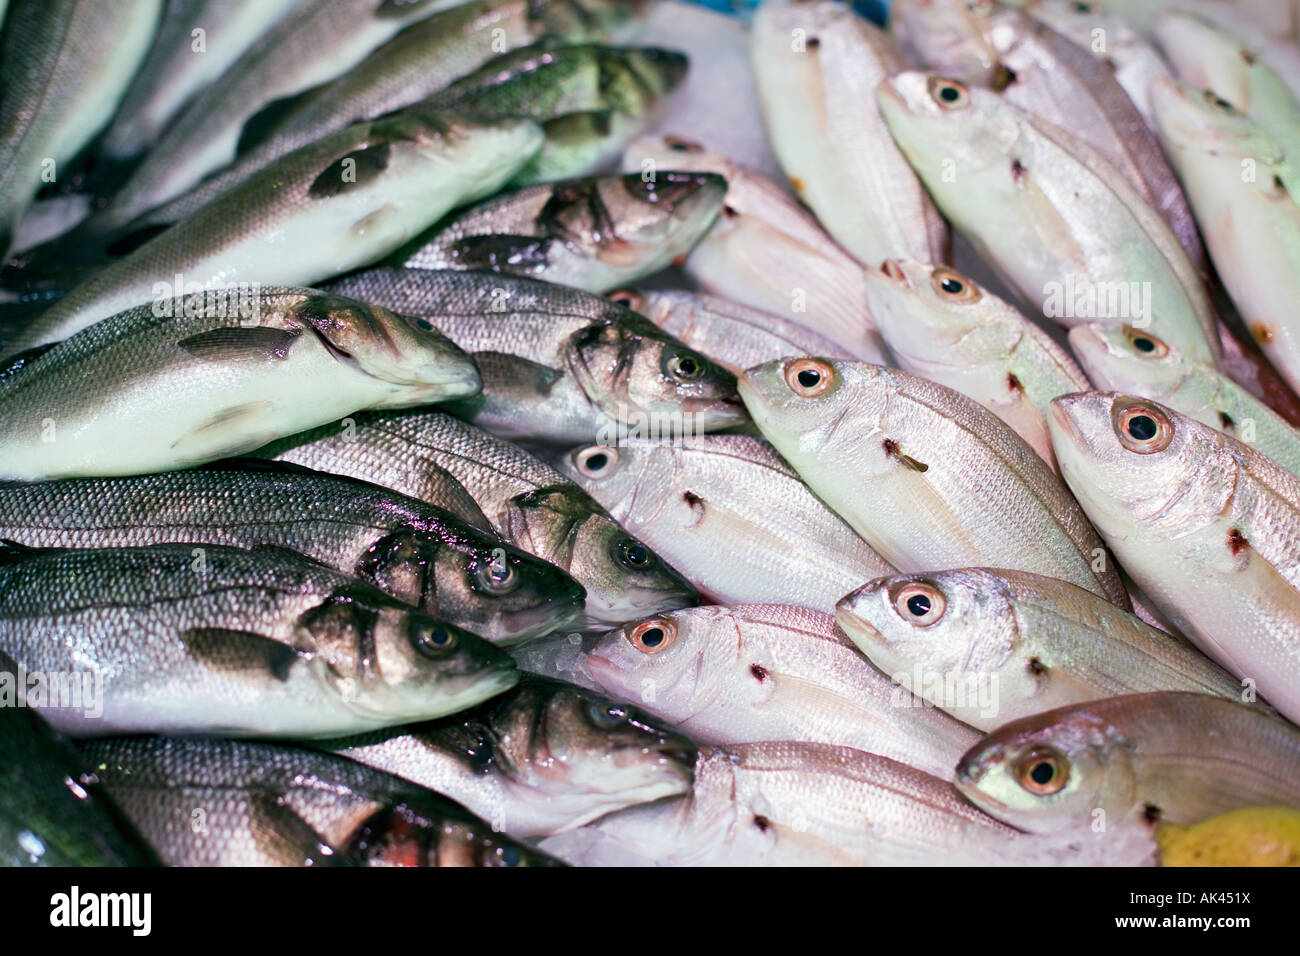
(891, 269)
(603, 670)
(859, 631)
(1060, 410)
(525, 624)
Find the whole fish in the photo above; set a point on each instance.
(1209, 57)
(772, 672)
(768, 252)
(181, 638)
(208, 802)
(50, 814)
(809, 58)
(558, 364)
(67, 64)
(927, 476)
(1240, 181)
(1052, 215)
(802, 804)
(237, 369)
(1035, 643)
(683, 499)
(528, 503)
(335, 205)
(542, 758)
(590, 99)
(1135, 362)
(943, 326)
(734, 336)
(408, 549)
(1201, 521)
(322, 39)
(197, 40)
(594, 234)
(1134, 760)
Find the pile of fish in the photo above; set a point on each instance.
(495, 433)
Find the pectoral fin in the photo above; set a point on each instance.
(239, 344)
(240, 652)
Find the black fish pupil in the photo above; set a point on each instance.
(438, 637)
(597, 462)
(950, 94)
(809, 378)
(636, 555)
(1144, 345)
(919, 605)
(1042, 773)
(652, 637)
(687, 366)
(1143, 428)
(952, 286)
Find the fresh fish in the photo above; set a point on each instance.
(772, 672)
(321, 40)
(1133, 760)
(558, 364)
(542, 758)
(50, 814)
(528, 502)
(734, 336)
(809, 59)
(768, 252)
(410, 550)
(951, 37)
(1207, 527)
(927, 476)
(1059, 222)
(67, 64)
(1240, 182)
(802, 804)
(590, 99)
(1134, 362)
(335, 205)
(238, 368)
(594, 234)
(179, 638)
(1209, 57)
(684, 498)
(1030, 643)
(197, 40)
(943, 326)
(208, 802)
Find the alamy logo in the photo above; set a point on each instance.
(74, 908)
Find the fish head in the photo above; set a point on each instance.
(607, 472)
(1191, 119)
(922, 309)
(481, 583)
(1122, 358)
(393, 348)
(932, 116)
(664, 151)
(1130, 459)
(661, 659)
(648, 382)
(633, 80)
(1206, 56)
(417, 832)
(1050, 773)
(585, 752)
(953, 37)
(918, 627)
(624, 577)
(388, 660)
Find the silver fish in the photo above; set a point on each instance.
(177, 638)
(772, 672)
(682, 499)
(238, 370)
(927, 476)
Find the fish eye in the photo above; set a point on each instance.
(1143, 428)
(1043, 771)
(632, 554)
(684, 366)
(954, 286)
(949, 94)
(920, 604)
(809, 378)
(1146, 344)
(605, 715)
(628, 299)
(433, 639)
(424, 324)
(497, 577)
(596, 461)
(1218, 101)
(1081, 7)
(653, 636)
(504, 855)
(679, 145)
